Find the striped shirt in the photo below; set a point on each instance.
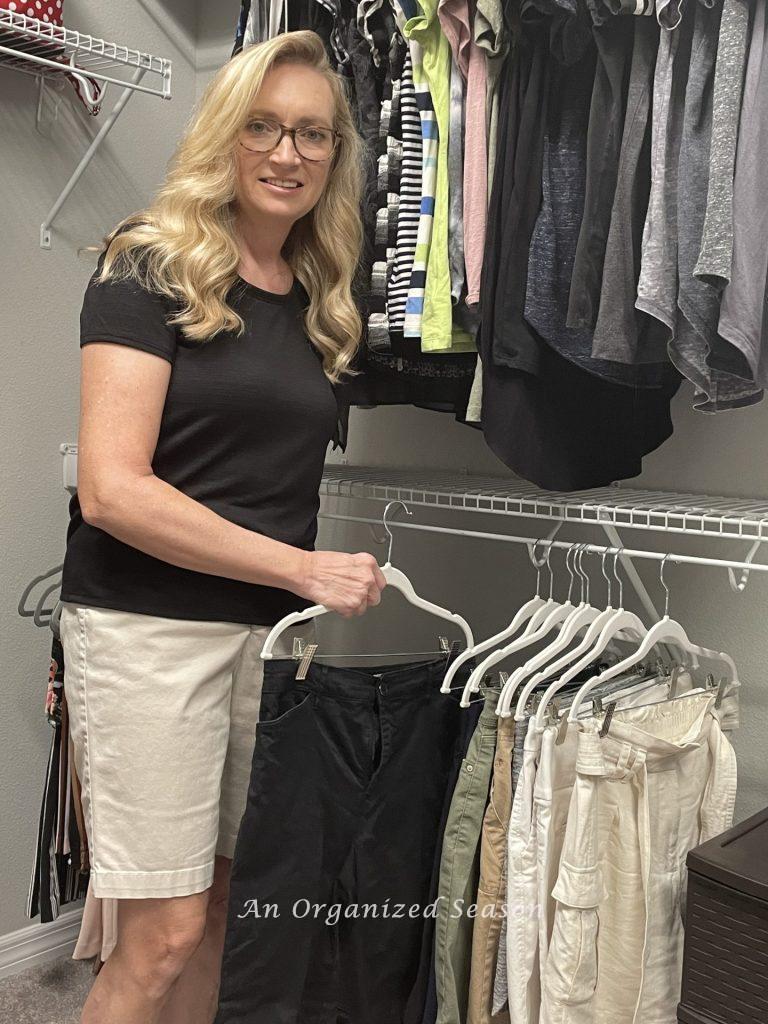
(410, 199)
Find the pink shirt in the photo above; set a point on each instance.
(456, 17)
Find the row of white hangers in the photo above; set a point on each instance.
(582, 632)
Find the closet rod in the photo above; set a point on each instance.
(597, 549)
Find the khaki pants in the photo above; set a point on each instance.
(491, 890)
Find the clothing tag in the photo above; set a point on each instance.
(309, 653)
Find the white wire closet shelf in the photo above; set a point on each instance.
(52, 52)
(692, 514)
(27, 45)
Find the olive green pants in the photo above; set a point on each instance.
(460, 868)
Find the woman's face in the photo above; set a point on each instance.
(296, 96)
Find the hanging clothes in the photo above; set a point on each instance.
(618, 334)
(410, 193)
(421, 1007)
(460, 868)
(699, 303)
(660, 782)
(389, 148)
(614, 38)
(743, 298)
(436, 327)
(367, 737)
(567, 429)
(61, 865)
(516, 194)
(716, 255)
(564, 182)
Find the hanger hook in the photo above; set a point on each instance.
(397, 501)
(606, 576)
(568, 552)
(536, 564)
(663, 583)
(549, 567)
(586, 575)
(616, 556)
(577, 560)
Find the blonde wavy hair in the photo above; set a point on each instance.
(183, 246)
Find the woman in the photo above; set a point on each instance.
(213, 330)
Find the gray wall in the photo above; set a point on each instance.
(41, 295)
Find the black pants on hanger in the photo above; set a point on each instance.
(334, 859)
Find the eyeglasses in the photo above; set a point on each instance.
(311, 143)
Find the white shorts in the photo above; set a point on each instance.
(162, 714)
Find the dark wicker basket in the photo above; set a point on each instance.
(725, 970)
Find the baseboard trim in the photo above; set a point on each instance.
(37, 944)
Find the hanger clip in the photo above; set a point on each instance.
(607, 720)
(721, 688)
(562, 726)
(551, 714)
(444, 645)
(308, 655)
(298, 648)
(597, 706)
(673, 681)
(503, 677)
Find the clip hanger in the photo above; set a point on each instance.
(308, 655)
(607, 720)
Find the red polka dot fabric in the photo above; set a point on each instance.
(50, 11)
(45, 11)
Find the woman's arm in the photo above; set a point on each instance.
(123, 391)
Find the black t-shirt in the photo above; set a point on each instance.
(244, 431)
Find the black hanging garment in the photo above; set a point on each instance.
(347, 792)
(61, 868)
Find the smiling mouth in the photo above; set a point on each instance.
(280, 188)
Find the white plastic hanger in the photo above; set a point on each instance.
(559, 642)
(665, 631)
(599, 635)
(541, 623)
(395, 577)
(521, 617)
(542, 665)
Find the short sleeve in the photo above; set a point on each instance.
(125, 312)
(341, 432)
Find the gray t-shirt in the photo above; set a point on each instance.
(698, 302)
(456, 182)
(622, 333)
(742, 309)
(716, 256)
(657, 287)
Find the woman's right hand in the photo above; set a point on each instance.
(347, 584)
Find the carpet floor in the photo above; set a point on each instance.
(51, 994)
